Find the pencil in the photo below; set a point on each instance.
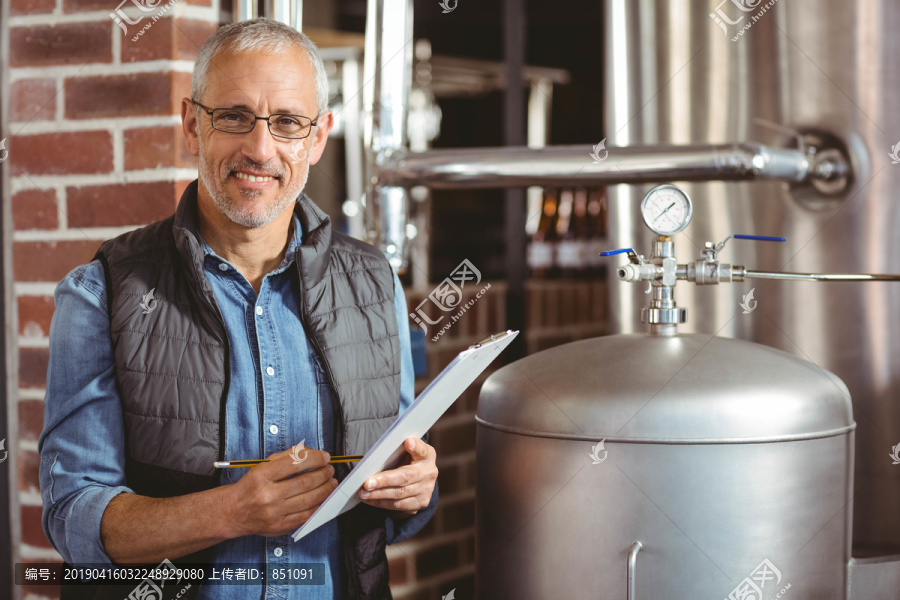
(249, 462)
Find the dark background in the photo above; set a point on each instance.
(563, 34)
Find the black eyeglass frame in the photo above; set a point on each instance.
(210, 112)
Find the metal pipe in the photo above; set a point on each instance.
(278, 10)
(573, 165)
(349, 113)
(515, 215)
(632, 567)
(243, 10)
(297, 15)
(387, 69)
(820, 276)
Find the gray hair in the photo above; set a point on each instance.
(259, 34)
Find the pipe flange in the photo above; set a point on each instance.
(831, 173)
(663, 316)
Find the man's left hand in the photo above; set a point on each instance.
(408, 488)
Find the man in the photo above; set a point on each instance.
(237, 328)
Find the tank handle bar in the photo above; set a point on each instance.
(711, 251)
(632, 565)
(633, 257)
(761, 238)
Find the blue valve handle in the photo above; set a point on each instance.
(761, 238)
(613, 252)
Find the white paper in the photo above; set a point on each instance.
(421, 415)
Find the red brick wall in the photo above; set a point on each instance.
(95, 149)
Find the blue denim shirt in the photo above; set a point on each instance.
(278, 397)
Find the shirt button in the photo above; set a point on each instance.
(223, 267)
(270, 371)
(273, 429)
(278, 552)
(259, 310)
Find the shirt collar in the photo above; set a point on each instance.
(296, 238)
(311, 244)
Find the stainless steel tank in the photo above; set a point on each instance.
(826, 67)
(730, 462)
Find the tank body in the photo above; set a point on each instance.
(730, 462)
(714, 71)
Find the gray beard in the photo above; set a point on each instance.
(242, 214)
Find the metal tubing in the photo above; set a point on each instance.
(632, 566)
(572, 165)
(297, 15)
(279, 10)
(387, 67)
(515, 215)
(243, 10)
(820, 276)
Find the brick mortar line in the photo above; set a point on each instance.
(142, 67)
(35, 288)
(118, 150)
(448, 421)
(32, 596)
(35, 554)
(116, 42)
(97, 234)
(90, 125)
(28, 445)
(464, 494)
(416, 585)
(414, 546)
(179, 9)
(460, 458)
(30, 499)
(60, 98)
(165, 174)
(62, 208)
(30, 394)
(33, 342)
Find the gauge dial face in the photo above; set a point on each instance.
(666, 209)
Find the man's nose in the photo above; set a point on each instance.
(259, 145)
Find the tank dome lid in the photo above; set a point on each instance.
(690, 388)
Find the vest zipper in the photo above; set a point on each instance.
(223, 433)
(335, 401)
(223, 430)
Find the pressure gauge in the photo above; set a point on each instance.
(667, 209)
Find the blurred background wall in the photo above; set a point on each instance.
(92, 128)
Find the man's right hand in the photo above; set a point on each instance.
(276, 497)
(272, 498)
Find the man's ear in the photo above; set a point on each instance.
(320, 136)
(189, 126)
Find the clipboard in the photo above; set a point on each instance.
(421, 415)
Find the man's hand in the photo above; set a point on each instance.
(274, 498)
(408, 488)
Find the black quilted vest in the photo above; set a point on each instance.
(172, 365)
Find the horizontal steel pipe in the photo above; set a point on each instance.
(820, 276)
(574, 165)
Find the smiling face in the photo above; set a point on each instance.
(253, 178)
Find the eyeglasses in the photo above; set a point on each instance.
(235, 120)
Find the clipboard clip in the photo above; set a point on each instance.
(493, 338)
